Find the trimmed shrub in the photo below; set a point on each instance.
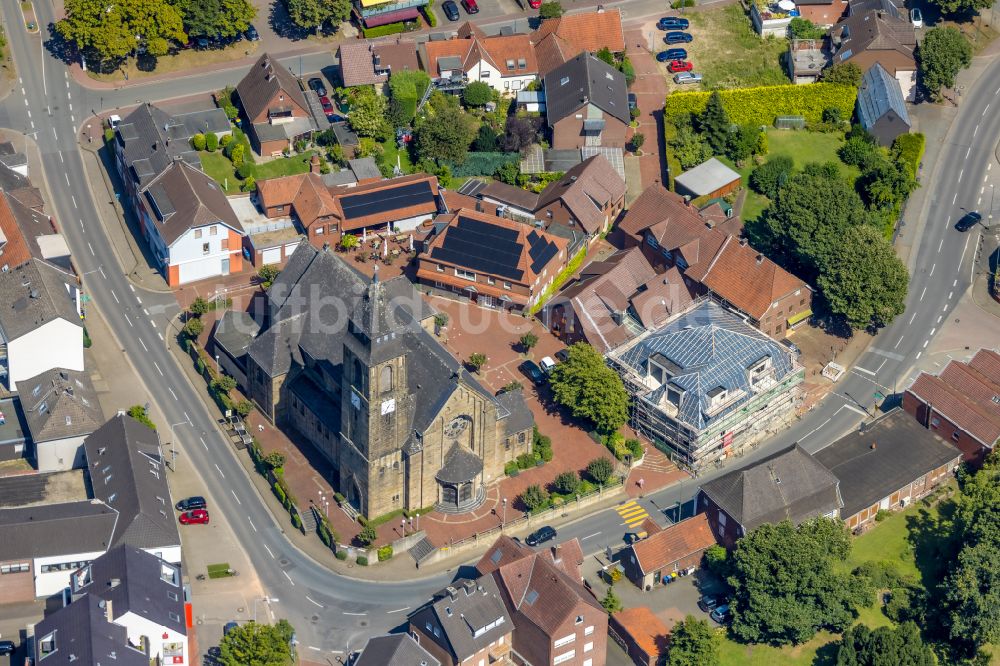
(211, 142)
(198, 142)
(382, 31)
(600, 470)
(406, 88)
(226, 140)
(341, 555)
(909, 149)
(477, 93)
(511, 469)
(768, 178)
(384, 553)
(429, 15)
(760, 105)
(362, 561)
(367, 535)
(634, 447)
(567, 483)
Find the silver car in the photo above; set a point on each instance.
(687, 77)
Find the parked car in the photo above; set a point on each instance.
(316, 84)
(327, 105)
(229, 626)
(633, 101)
(450, 10)
(470, 6)
(968, 221)
(196, 517)
(547, 364)
(7, 647)
(677, 37)
(191, 503)
(722, 614)
(335, 117)
(916, 18)
(541, 535)
(202, 42)
(687, 77)
(709, 602)
(562, 355)
(672, 23)
(531, 370)
(630, 538)
(675, 66)
(534, 4)
(252, 34)
(671, 54)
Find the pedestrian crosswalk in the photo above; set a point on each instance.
(632, 513)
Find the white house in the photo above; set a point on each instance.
(60, 409)
(190, 226)
(505, 62)
(41, 325)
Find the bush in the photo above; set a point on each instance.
(226, 140)
(429, 16)
(526, 460)
(549, 10)
(244, 407)
(600, 470)
(477, 361)
(362, 561)
(635, 448)
(906, 603)
(245, 170)
(198, 142)
(211, 142)
(909, 149)
(405, 89)
(341, 555)
(193, 328)
(249, 184)
(237, 155)
(384, 553)
(382, 31)
(717, 561)
(637, 140)
(477, 93)
(511, 468)
(615, 443)
(139, 413)
(769, 177)
(760, 105)
(367, 535)
(678, 4)
(483, 164)
(801, 28)
(535, 497)
(542, 445)
(567, 483)
(87, 342)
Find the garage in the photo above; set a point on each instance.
(272, 255)
(200, 270)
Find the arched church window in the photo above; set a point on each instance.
(385, 379)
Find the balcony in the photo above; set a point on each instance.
(370, 9)
(500, 653)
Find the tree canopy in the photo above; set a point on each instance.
(693, 642)
(208, 18)
(115, 30)
(941, 55)
(310, 14)
(368, 112)
(884, 646)
(785, 587)
(550, 9)
(445, 131)
(962, 6)
(714, 124)
(253, 644)
(591, 390)
(843, 73)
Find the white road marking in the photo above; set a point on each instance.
(115, 295)
(881, 364)
(146, 312)
(912, 317)
(398, 610)
(290, 578)
(313, 647)
(220, 470)
(158, 368)
(865, 370)
(933, 266)
(251, 524)
(138, 299)
(896, 346)
(940, 317)
(979, 201)
(100, 269)
(91, 248)
(356, 614)
(925, 344)
(950, 293)
(967, 152)
(61, 158)
(268, 550)
(975, 131)
(985, 110)
(953, 200)
(314, 602)
(143, 344)
(132, 287)
(955, 283)
(590, 536)
(187, 419)
(67, 178)
(127, 319)
(918, 355)
(922, 295)
(940, 245)
(72, 118)
(71, 106)
(74, 201)
(172, 392)
(814, 430)
(202, 440)
(235, 497)
(933, 330)
(160, 334)
(960, 176)
(855, 409)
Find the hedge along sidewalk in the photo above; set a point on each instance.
(761, 105)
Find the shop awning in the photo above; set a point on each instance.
(392, 17)
(800, 317)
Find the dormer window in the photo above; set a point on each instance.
(717, 397)
(47, 644)
(759, 370)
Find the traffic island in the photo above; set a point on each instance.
(28, 12)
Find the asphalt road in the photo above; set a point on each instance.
(333, 612)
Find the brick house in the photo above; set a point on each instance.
(494, 261)
(641, 634)
(560, 39)
(678, 547)
(877, 31)
(306, 197)
(504, 62)
(888, 464)
(787, 485)
(586, 104)
(393, 204)
(961, 403)
(372, 63)
(274, 107)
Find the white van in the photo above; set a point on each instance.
(547, 364)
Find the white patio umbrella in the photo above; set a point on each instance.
(786, 5)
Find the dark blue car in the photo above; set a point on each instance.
(677, 38)
(671, 54)
(672, 23)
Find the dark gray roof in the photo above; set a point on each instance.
(585, 80)
(48, 530)
(81, 634)
(10, 157)
(34, 294)
(317, 401)
(460, 466)
(11, 180)
(60, 403)
(234, 332)
(151, 139)
(14, 428)
(787, 484)
(364, 167)
(135, 581)
(33, 225)
(127, 472)
(183, 197)
(887, 454)
(265, 78)
(339, 178)
(345, 135)
(394, 650)
(462, 609)
(186, 125)
(508, 194)
(515, 413)
(880, 94)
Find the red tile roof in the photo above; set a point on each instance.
(565, 37)
(14, 249)
(357, 60)
(305, 192)
(647, 630)
(673, 543)
(967, 394)
(497, 51)
(506, 550)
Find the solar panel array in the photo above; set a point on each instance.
(384, 201)
(482, 247)
(541, 250)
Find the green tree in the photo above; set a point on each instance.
(941, 55)
(198, 142)
(549, 10)
(743, 143)
(445, 135)
(628, 70)
(801, 28)
(244, 407)
(310, 14)
(693, 643)
(607, 56)
(477, 93)
(477, 361)
(114, 30)
(637, 140)
(591, 390)
(785, 587)
(199, 306)
(367, 535)
(689, 148)
(267, 274)
(237, 155)
(140, 414)
(349, 242)
(898, 646)
(193, 328)
(600, 469)
(368, 112)
(223, 384)
(487, 140)
(208, 18)
(566, 483)
(844, 74)
(519, 133)
(864, 280)
(713, 123)
(534, 497)
(972, 595)
(253, 644)
(211, 142)
(275, 459)
(611, 603)
(861, 151)
(507, 173)
(770, 176)
(528, 341)
(962, 6)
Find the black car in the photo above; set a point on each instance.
(633, 102)
(630, 538)
(191, 503)
(541, 535)
(968, 221)
(562, 355)
(450, 10)
(709, 602)
(532, 372)
(671, 54)
(672, 23)
(7, 647)
(317, 85)
(722, 615)
(677, 38)
(251, 34)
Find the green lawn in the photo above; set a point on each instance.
(737, 654)
(286, 166)
(218, 166)
(392, 151)
(221, 170)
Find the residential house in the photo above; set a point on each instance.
(707, 385)
(41, 323)
(887, 464)
(586, 104)
(366, 63)
(823, 13)
(881, 109)
(14, 249)
(961, 403)
(613, 300)
(350, 365)
(493, 261)
(13, 159)
(17, 186)
(505, 62)
(877, 31)
(713, 260)
(393, 204)
(510, 201)
(806, 60)
(676, 549)
(374, 13)
(83, 633)
(142, 593)
(711, 178)
(14, 443)
(789, 484)
(30, 233)
(466, 622)
(561, 39)
(567, 556)
(394, 650)
(306, 198)
(61, 409)
(641, 634)
(274, 107)
(190, 226)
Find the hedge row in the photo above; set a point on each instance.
(407, 87)
(383, 30)
(482, 164)
(910, 148)
(761, 105)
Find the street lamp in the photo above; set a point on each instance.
(417, 516)
(173, 445)
(266, 600)
(402, 526)
(503, 519)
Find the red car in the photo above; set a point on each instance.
(327, 105)
(470, 6)
(534, 4)
(679, 66)
(196, 517)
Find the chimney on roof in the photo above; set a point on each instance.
(873, 445)
(760, 259)
(452, 592)
(743, 242)
(557, 554)
(314, 164)
(470, 587)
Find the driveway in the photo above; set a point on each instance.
(650, 90)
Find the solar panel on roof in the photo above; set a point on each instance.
(482, 247)
(383, 201)
(549, 250)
